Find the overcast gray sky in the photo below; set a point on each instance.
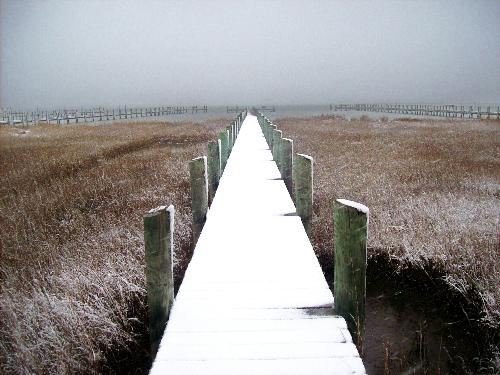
(89, 52)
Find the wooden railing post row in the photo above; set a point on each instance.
(199, 194)
(287, 163)
(303, 189)
(350, 222)
(159, 250)
(214, 161)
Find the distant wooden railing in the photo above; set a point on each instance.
(13, 117)
(448, 110)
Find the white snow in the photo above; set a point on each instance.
(306, 156)
(159, 208)
(254, 299)
(358, 206)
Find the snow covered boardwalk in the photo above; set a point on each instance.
(254, 299)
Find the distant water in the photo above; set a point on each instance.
(221, 112)
(280, 112)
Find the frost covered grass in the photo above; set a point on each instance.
(71, 203)
(432, 187)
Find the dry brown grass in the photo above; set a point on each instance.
(71, 205)
(432, 186)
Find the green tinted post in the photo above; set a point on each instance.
(276, 150)
(199, 194)
(158, 246)
(287, 163)
(224, 149)
(213, 168)
(350, 222)
(303, 189)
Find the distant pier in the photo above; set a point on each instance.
(67, 116)
(445, 110)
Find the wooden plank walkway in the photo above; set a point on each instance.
(254, 299)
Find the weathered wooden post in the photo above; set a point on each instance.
(224, 150)
(303, 189)
(269, 130)
(264, 128)
(159, 250)
(276, 151)
(213, 168)
(270, 141)
(199, 194)
(287, 163)
(261, 122)
(350, 222)
(230, 139)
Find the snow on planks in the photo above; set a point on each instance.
(254, 299)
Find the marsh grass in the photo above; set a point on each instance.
(433, 189)
(71, 204)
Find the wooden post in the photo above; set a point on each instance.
(287, 163)
(158, 246)
(269, 130)
(224, 151)
(230, 139)
(350, 221)
(213, 168)
(262, 125)
(199, 194)
(276, 151)
(270, 140)
(303, 189)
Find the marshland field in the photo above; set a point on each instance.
(71, 204)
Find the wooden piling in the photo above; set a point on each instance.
(199, 194)
(230, 139)
(269, 130)
(276, 150)
(158, 246)
(303, 189)
(270, 140)
(213, 168)
(350, 222)
(224, 150)
(287, 163)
